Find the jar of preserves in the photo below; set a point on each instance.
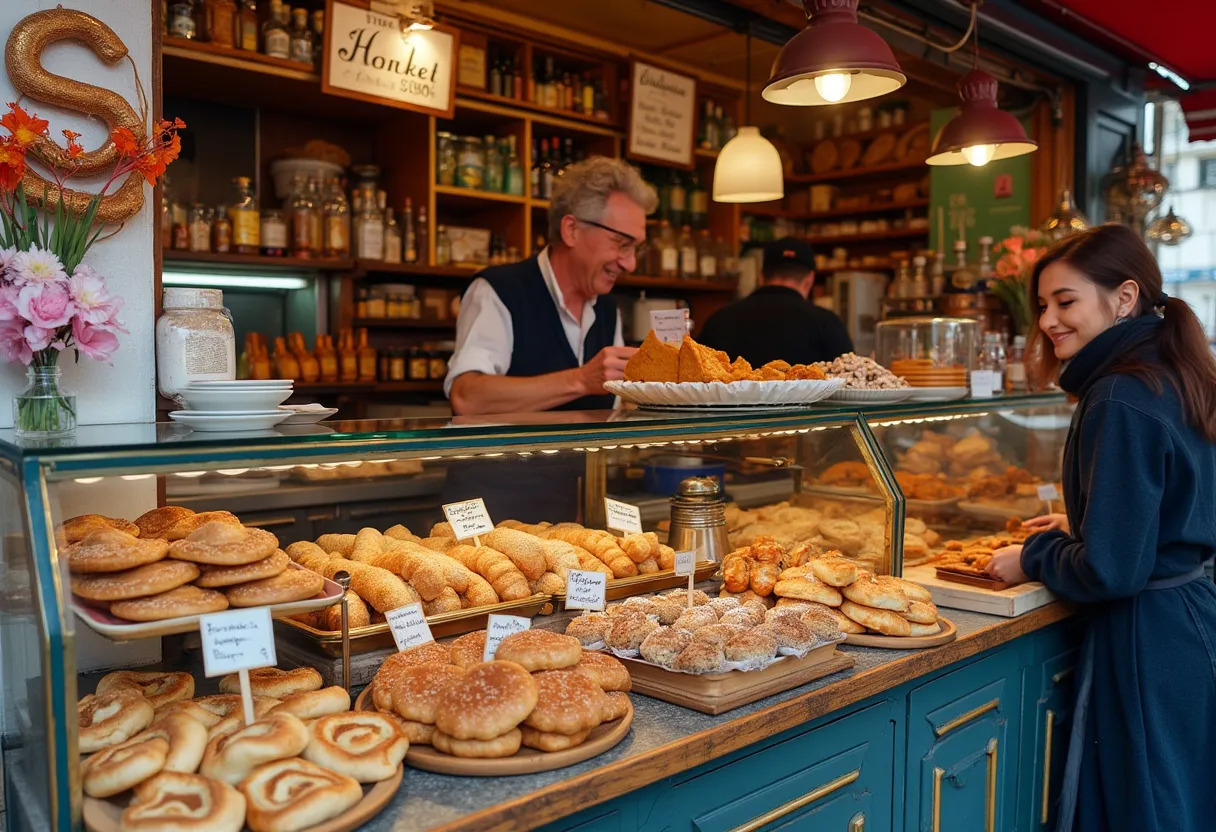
(471, 163)
(195, 340)
(419, 369)
(437, 364)
(221, 232)
(445, 159)
(273, 234)
(396, 366)
(377, 307)
(200, 228)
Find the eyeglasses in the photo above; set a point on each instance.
(628, 245)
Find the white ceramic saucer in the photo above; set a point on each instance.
(229, 420)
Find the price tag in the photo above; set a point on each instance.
(623, 517)
(686, 562)
(1048, 492)
(469, 518)
(499, 627)
(669, 325)
(981, 384)
(237, 640)
(585, 590)
(409, 626)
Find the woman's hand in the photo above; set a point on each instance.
(1006, 565)
(1047, 523)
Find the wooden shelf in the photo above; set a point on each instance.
(869, 210)
(865, 135)
(857, 173)
(409, 387)
(706, 154)
(224, 56)
(367, 387)
(172, 256)
(645, 282)
(378, 267)
(470, 97)
(541, 204)
(473, 195)
(401, 323)
(882, 267)
(874, 236)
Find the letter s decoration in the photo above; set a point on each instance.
(23, 60)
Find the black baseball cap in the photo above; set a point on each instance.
(788, 250)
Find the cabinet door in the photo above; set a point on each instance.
(1049, 707)
(834, 778)
(961, 768)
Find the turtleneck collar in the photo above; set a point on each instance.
(1099, 355)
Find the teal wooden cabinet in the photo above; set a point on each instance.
(835, 777)
(962, 753)
(1048, 695)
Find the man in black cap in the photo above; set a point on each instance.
(778, 321)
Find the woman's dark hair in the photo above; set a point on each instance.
(1108, 256)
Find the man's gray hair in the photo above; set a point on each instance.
(584, 189)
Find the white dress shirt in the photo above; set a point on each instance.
(485, 337)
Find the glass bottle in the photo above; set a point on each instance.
(1015, 366)
(199, 228)
(318, 36)
(245, 218)
(392, 231)
(368, 225)
(221, 231)
(273, 234)
(299, 217)
(698, 202)
(247, 26)
(534, 173)
(423, 236)
(920, 282)
(348, 357)
(548, 171)
(937, 275)
(316, 215)
(327, 357)
(493, 181)
(367, 358)
(181, 20)
(445, 159)
(688, 255)
(709, 132)
(669, 252)
(300, 44)
(726, 127)
(984, 271)
(276, 42)
(336, 211)
(677, 199)
(443, 247)
(992, 359)
(962, 279)
(495, 75)
(471, 163)
(221, 22)
(515, 171)
(409, 234)
(707, 256)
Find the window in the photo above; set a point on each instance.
(1207, 173)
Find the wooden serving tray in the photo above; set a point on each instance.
(106, 815)
(715, 693)
(1010, 602)
(524, 761)
(619, 588)
(971, 579)
(948, 634)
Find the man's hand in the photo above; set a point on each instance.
(1006, 564)
(1047, 523)
(608, 365)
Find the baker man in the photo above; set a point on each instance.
(545, 334)
(778, 321)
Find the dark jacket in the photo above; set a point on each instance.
(1140, 487)
(776, 322)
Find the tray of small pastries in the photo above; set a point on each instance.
(160, 758)
(156, 575)
(542, 703)
(664, 376)
(966, 561)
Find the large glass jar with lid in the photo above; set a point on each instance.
(195, 340)
(445, 159)
(471, 163)
(245, 217)
(929, 351)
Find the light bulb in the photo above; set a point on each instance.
(979, 154)
(833, 86)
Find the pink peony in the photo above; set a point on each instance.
(38, 337)
(35, 266)
(93, 302)
(47, 305)
(13, 346)
(8, 303)
(95, 342)
(6, 257)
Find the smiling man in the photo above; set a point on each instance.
(545, 334)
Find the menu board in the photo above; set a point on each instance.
(662, 116)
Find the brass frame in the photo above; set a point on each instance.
(798, 803)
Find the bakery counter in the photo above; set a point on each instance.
(676, 751)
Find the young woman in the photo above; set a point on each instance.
(1140, 489)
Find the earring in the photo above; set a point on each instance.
(1121, 318)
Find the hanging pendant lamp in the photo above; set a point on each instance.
(981, 132)
(1066, 220)
(834, 60)
(1169, 230)
(749, 168)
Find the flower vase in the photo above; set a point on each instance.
(44, 410)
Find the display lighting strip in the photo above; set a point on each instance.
(1169, 75)
(243, 281)
(924, 419)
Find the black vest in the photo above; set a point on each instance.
(540, 344)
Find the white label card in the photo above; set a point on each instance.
(499, 627)
(1049, 492)
(669, 325)
(586, 590)
(622, 517)
(469, 518)
(409, 626)
(981, 384)
(237, 640)
(686, 562)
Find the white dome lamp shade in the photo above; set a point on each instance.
(749, 168)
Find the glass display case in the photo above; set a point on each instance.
(830, 476)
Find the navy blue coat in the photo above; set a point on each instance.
(1140, 487)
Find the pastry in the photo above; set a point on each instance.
(717, 634)
(469, 649)
(700, 657)
(695, 618)
(809, 589)
(668, 610)
(501, 746)
(273, 682)
(311, 704)
(662, 646)
(914, 591)
(606, 671)
(176, 603)
(921, 612)
(680, 596)
(233, 756)
(655, 360)
(288, 795)
(392, 668)
(366, 746)
(489, 701)
(701, 363)
(540, 650)
(627, 632)
(75, 529)
(224, 544)
(834, 571)
(567, 703)
(417, 690)
(110, 718)
(751, 648)
(157, 522)
(825, 626)
(762, 578)
(616, 705)
(550, 742)
(116, 769)
(526, 551)
(418, 733)
(187, 740)
(184, 527)
(158, 688)
(791, 634)
(357, 614)
(149, 579)
(216, 576)
(724, 605)
(589, 628)
(879, 591)
(111, 550)
(847, 625)
(743, 617)
(922, 630)
(288, 586)
(177, 802)
(883, 621)
(225, 705)
(191, 709)
(504, 577)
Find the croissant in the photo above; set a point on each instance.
(638, 547)
(507, 581)
(369, 543)
(438, 544)
(455, 573)
(524, 550)
(480, 593)
(763, 578)
(607, 551)
(667, 557)
(550, 583)
(561, 557)
(446, 601)
(735, 573)
(400, 532)
(378, 587)
(648, 567)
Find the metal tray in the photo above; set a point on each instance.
(643, 584)
(378, 636)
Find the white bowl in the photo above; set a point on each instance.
(282, 171)
(242, 384)
(240, 400)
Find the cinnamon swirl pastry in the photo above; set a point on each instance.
(111, 718)
(233, 756)
(293, 794)
(365, 745)
(116, 769)
(158, 688)
(274, 683)
(178, 802)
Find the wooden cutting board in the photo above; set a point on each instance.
(1008, 603)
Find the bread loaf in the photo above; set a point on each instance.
(446, 601)
(601, 544)
(343, 544)
(382, 589)
(438, 544)
(368, 544)
(507, 581)
(524, 550)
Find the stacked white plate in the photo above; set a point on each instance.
(233, 405)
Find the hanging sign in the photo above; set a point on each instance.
(662, 116)
(368, 57)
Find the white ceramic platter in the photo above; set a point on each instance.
(229, 420)
(937, 394)
(308, 417)
(870, 396)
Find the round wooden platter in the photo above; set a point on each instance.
(106, 815)
(948, 634)
(524, 761)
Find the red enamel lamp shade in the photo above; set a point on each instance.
(833, 43)
(979, 122)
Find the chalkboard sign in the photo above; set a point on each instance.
(662, 116)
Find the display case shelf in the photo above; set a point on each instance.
(454, 194)
(174, 257)
(471, 97)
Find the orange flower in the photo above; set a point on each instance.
(23, 127)
(12, 164)
(74, 147)
(125, 142)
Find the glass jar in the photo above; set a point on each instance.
(195, 340)
(245, 218)
(181, 20)
(471, 163)
(376, 305)
(928, 351)
(221, 232)
(419, 369)
(199, 228)
(273, 234)
(445, 159)
(396, 366)
(437, 362)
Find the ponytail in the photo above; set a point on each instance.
(1184, 348)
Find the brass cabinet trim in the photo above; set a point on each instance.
(990, 797)
(798, 802)
(1061, 676)
(938, 773)
(857, 823)
(963, 719)
(1048, 731)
